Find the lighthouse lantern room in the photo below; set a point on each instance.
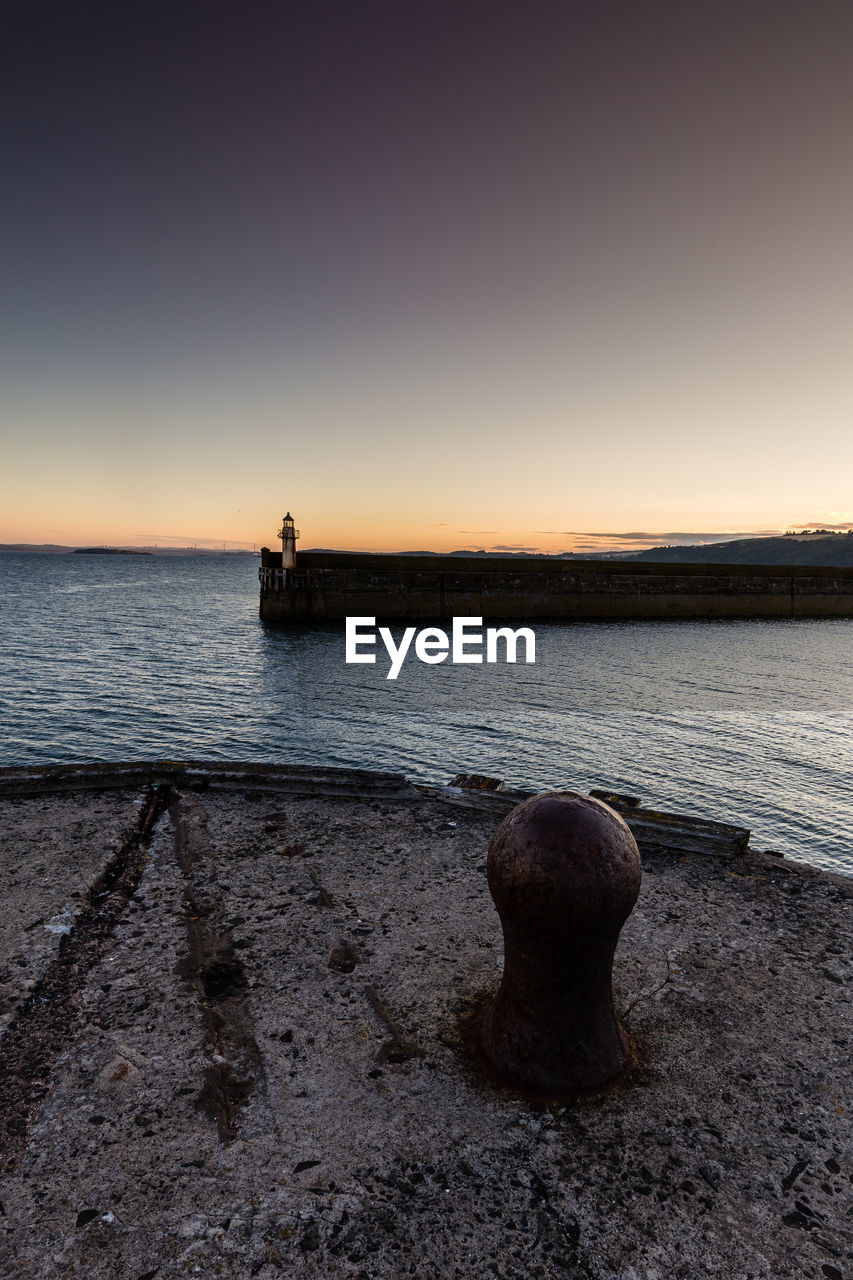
(288, 536)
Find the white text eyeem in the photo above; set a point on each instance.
(432, 645)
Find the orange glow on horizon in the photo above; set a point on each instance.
(335, 535)
(325, 522)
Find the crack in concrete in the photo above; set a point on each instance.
(47, 1022)
(652, 991)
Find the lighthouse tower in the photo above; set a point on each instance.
(288, 536)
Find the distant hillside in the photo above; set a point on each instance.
(834, 550)
(481, 554)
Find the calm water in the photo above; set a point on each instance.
(126, 657)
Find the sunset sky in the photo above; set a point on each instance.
(430, 275)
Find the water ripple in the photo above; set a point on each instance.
(105, 658)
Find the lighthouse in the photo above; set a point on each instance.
(288, 536)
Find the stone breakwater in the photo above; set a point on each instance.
(236, 1041)
(327, 587)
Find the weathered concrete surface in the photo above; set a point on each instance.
(51, 851)
(270, 1074)
(327, 587)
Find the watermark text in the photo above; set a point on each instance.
(432, 645)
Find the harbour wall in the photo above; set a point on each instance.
(328, 587)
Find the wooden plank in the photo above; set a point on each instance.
(652, 828)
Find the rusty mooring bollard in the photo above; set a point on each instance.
(564, 872)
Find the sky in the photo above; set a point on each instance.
(429, 275)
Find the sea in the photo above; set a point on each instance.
(119, 658)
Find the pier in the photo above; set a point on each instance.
(237, 1039)
(329, 587)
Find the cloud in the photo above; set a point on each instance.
(513, 547)
(590, 540)
(838, 527)
(478, 532)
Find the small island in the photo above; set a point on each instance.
(108, 551)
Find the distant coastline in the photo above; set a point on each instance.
(819, 548)
(50, 548)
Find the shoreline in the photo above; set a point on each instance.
(649, 825)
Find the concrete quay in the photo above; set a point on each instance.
(235, 1040)
(330, 586)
